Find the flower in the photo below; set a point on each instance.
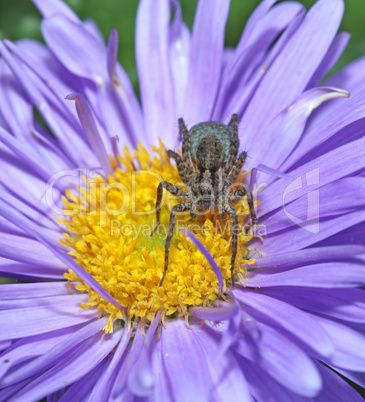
(109, 331)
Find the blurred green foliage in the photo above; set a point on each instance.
(20, 18)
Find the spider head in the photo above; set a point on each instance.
(209, 153)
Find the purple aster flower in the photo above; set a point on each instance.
(89, 320)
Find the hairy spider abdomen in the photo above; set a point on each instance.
(209, 153)
(201, 130)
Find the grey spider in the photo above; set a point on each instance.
(213, 147)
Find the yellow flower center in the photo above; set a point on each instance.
(111, 224)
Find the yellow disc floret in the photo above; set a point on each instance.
(111, 223)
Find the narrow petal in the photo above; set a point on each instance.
(200, 246)
(328, 168)
(154, 70)
(82, 389)
(344, 114)
(72, 367)
(52, 7)
(27, 348)
(325, 275)
(70, 43)
(128, 103)
(21, 221)
(312, 255)
(206, 59)
(102, 389)
(41, 319)
(346, 304)
(330, 59)
(141, 379)
(306, 49)
(286, 129)
(93, 136)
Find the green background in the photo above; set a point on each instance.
(20, 18)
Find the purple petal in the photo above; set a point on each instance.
(344, 114)
(350, 77)
(263, 387)
(17, 112)
(227, 377)
(311, 255)
(127, 101)
(349, 346)
(120, 384)
(269, 171)
(52, 7)
(284, 361)
(284, 81)
(141, 379)
(42, 97)
(326, 275)
(93, 136)
(25, 349)
(224, 312)
(82, 389)
(195, 383)
(180, 39)
(76, 48)
(14, 291)
(286, 129)
(334, 199)
(29, 272)
(41, 319)
(155, 78)
(102, 387)
(346, 304)
(247, 58)
(20, 220)
(200, 246)
(72, 367)
(206, 59)
(332, 166)
(28, 251)
(302, 325)
(330, 59)
(335, 388)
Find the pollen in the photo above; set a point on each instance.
(109, 223)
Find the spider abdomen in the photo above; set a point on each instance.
(201, 130)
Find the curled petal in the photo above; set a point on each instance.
(200, 246)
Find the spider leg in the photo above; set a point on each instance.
(240, 193)
(235, 229)
(181, 166)
(174, 190)
(183, 206)
(237, 167)
(233, 146)
(186, 146)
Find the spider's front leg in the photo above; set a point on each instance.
(240, 193)
(183, 206)
(171, 188)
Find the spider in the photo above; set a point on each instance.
(213, 147)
